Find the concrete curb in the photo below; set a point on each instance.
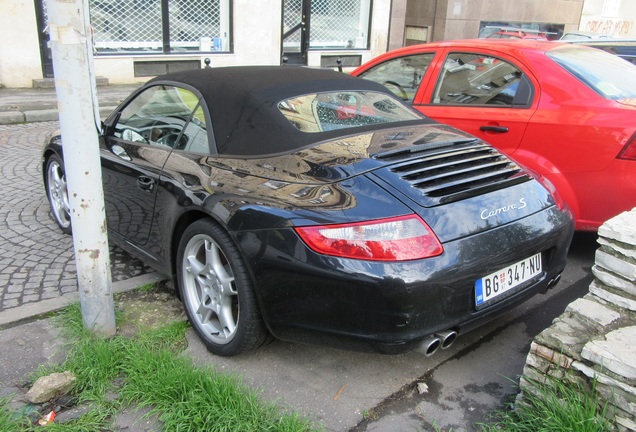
(43, 115)
(40, 115)
(11, 117)
(18, 315)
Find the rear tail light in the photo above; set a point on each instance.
(629, 151)
(394, 239)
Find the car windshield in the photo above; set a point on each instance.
(319, 112)
(608, 75)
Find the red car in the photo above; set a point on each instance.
(567, 112)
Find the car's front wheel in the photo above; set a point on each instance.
(57, 193)
(217, 292)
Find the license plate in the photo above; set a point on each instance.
(497, 283)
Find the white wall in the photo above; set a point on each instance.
(619, 23)
(257, 34)
(380, 23)
(19, 47)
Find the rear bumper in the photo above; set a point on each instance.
(391, 307)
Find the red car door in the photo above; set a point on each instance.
(483, 93)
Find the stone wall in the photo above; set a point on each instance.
(596, 335)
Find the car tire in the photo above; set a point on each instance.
(57, 193)
(217, 291)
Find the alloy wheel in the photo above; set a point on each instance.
(209, 289)
(58, 193)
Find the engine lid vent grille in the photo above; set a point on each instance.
(449, 171)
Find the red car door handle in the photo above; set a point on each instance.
(498, 129)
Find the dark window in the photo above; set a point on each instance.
(401, 75)
(475, 79)
(320, 112)
(608, 75)
(164, 116)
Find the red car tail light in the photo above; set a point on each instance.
(629, 151)
(393, 239)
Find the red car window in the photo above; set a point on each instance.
(610, 77)
(475, 79)
(401, 75)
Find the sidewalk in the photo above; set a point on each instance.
(341, 391)
(36, 105)
(333, 388)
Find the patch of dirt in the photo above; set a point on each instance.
(148, 308)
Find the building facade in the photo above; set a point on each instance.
(137, 39)
(463, 19)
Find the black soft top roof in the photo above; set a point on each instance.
(243, 104)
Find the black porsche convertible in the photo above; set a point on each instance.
(316, 207)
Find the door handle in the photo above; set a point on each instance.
(146, 183)
(497, 129)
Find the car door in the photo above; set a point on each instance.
(135, 148)
(490, 96)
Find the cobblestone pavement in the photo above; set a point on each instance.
(36, 259)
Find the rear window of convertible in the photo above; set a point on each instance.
(320, 112)
(608, 75)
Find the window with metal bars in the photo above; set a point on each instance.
(160, 26)
(332, 24)
(337, 24)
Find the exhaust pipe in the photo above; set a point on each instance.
(447, 338)
(555, 280)
(429, 346)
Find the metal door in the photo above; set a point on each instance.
(295, 30)
(46, 57)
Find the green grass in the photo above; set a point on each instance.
(9, 422)
(147, 287)
(148, 371)
(554, 406)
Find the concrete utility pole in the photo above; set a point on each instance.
(71, 44)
